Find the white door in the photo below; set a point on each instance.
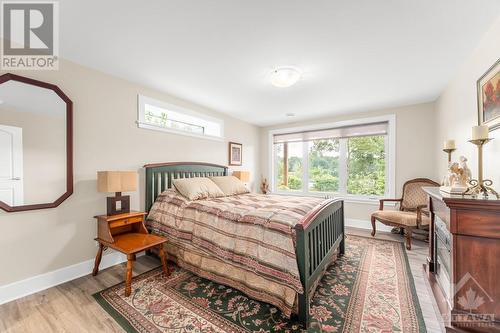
(11, 165)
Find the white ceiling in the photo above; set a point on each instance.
(356, 55)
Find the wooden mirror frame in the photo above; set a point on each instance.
(69, 143)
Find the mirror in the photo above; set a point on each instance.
(35, 144)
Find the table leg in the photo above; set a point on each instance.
(128, 277)
(98, 260)
(163, 258)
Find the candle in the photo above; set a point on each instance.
(480, 132)
(449, 144)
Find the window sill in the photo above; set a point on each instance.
(347, 198)
(173, 131)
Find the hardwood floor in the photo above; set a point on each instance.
(70, 307)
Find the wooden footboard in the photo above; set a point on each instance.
(318, 238)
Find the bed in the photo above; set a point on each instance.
(303, 234)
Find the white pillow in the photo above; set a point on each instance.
(230, 185)
(197, 188)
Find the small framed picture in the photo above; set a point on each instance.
(488, 97)
(235, 153)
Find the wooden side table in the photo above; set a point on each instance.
(127, 234)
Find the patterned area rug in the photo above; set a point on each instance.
(369, 289)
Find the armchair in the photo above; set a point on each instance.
(412, 213)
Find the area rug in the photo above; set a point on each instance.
(369, 289)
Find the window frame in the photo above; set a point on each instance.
(390, 160)
(142, 123)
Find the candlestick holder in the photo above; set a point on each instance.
(449, 151)
(480, 185)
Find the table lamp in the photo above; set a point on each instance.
(244, 176)
(118, 182)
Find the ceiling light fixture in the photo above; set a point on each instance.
(290, 114)
(283, 77)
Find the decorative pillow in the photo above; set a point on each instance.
(230, 185)
(197, 188)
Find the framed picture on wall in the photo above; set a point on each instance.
(235, 153)
(488, 97)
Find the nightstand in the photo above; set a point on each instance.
(127, 234)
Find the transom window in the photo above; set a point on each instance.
(346, 160)
(154, 114)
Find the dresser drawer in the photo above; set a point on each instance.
(475, 223)
(126, 221)
(439, 208)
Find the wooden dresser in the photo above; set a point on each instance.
(464, 260)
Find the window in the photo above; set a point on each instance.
(366, 165)
(154, 114)
(290, 169)
(349, 159)
(323, 165)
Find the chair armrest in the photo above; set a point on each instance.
(381, 207)
(420, 209)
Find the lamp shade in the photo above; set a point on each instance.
(244, 176)
(116, 181)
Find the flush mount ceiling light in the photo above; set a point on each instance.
(283, 77)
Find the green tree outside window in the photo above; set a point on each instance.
(366, 165)
(364, 161)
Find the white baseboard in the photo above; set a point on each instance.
(366, 224)
(18, 289)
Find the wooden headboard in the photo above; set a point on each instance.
(159, 176)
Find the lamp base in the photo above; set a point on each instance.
(119, 204)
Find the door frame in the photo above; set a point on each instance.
(17, 159)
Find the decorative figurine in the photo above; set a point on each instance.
(466, 175)
(264, 186)
(459, 175)
(452, 175)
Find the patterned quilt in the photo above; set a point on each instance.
(244, 241)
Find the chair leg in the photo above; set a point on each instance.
(408, 238)
(374, 229)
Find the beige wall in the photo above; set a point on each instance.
(457, 110)
(414, 143)
(105, 137)
(44, 153)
